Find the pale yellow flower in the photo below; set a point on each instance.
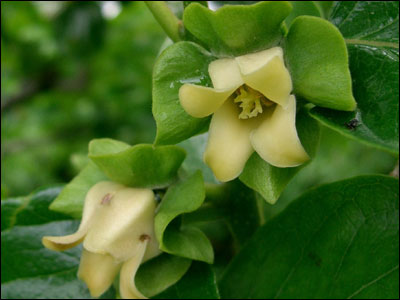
(117, 231)
(253, 111)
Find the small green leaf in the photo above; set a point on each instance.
(185, 241)
(270, 181)
(371, 31)
(28, 270)
(235, 30)
(336, 241)
(159, 273)
(301, 8)
(198, 283)
(316, 56)
(181, 63)
(72, 198)
(138, 166)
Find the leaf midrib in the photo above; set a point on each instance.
(372, 43)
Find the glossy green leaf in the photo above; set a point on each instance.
(28, 270)
(159, 273)
(71, 199)
(316, 56)
(301, 8)
(371, 31)
(198, 283)
(270, 181)
(336, 241)
(185, 241)
(235, 30)
(138, 166)
(181, 63)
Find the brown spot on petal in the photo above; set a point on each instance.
(144, 237)
(106, 199)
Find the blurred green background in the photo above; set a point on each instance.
(71, 72)
(74, 71)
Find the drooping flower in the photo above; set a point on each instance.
(117, 232)
(253, 111)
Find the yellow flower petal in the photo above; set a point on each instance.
(265, 72)
(199, 101)
(92, 201)
(98, 271)
(127, 286)
(276, 139)
(120, 222)
(229, 145)
(225, 74)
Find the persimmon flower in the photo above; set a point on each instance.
(117, 231)
(253, 111)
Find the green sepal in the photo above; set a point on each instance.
(316, 55)
(141, 165)
(235, 30)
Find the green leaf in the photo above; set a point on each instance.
(195, 147)
(159, 273)
(138, 166)
(28, 270)
(270, 181)
(185, 241)
(198, 283)
(371, 31)
(235, 30)
(336, 241)
(316, 56)
(181, 63)
(301, 8)
(72, 198)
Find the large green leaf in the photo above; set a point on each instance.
(235, 30)
(138, 166)
(28, 270)
(340, 240)
(185, 241)
(371, 31)
(198, 283)
(270, 181)
(181, 63)
(316, 56)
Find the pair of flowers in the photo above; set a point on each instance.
(253, 110)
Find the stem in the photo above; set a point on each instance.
(166, 18)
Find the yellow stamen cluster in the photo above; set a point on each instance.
(251, 102)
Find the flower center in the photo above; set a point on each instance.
(251, 102)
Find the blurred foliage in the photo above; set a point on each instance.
(70, 73)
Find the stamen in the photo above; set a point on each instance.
(250, 101)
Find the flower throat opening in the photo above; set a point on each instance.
(251, 102)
